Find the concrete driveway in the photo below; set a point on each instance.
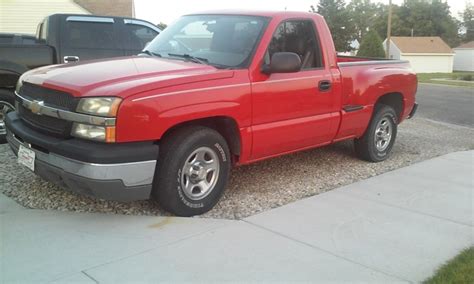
(448, 104)
(395, 227)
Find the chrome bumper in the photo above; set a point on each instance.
(120, 181)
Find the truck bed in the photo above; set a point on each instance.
(345, 58)
(362, 79)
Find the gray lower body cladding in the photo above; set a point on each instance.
(119, 179)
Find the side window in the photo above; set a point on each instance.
(90, 35)
(297, 36)
(137, 36)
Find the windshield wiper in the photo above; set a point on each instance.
(191, 58)
(150, 53)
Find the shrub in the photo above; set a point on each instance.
(371, 46)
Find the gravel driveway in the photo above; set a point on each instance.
(261, 186)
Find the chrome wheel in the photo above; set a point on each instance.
(5, 108)
(200, 173)
(383, 134)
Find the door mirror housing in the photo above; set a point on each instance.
(283, 62)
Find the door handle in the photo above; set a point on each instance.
(324, 85)
(70, 58)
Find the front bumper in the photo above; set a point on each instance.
(121, 172)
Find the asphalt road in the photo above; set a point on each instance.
(453, 105)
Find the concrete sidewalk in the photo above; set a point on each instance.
(396, 227)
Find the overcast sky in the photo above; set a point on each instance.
(167, 11)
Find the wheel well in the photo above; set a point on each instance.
(394, 100)
(226, 126)
(8, 79)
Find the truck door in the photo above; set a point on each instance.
(87, 38)
(293, 111)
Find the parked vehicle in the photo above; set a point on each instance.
(9, 38)
(211, 91)
(63, 38)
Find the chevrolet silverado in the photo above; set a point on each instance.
(212, 91)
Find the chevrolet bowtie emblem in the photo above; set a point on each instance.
(36, 106)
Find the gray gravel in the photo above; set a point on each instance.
(261, 186)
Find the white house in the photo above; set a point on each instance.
(426, 54)
(464, 57)
(23, 16)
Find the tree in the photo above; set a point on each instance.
(420, 18)
(338, 19)
(380, 23)
(371, 45)
(363, 14)
(468, 22)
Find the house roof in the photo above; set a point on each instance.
(428, 44)
(119, 8)
(467, 45)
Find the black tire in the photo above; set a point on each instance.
(7, 102)
(175, 150)
(365, 147)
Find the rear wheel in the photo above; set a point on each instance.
(377, 142)
(192, 171)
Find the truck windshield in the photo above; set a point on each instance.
(224, 41)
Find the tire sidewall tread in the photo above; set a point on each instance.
(173, 151)
(365, 146)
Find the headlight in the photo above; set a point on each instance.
(94, 132)
(106, 106)
(19, 84)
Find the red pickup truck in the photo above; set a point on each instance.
(212, 91)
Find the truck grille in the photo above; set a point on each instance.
(52, 98)
(45, 124)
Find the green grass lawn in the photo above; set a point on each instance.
(458, 270)
(427, 78)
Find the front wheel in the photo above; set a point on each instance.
(6, 106)
(377, 142)
(192, 171)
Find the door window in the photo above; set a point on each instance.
(95, 35)
(137, 36)
(298, 36)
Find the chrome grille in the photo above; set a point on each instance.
(45, 124)
(50, 97)
(53, 98)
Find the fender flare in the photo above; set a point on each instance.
(12, 67)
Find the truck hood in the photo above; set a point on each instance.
(122, 77)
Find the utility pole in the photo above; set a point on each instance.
(389, 28)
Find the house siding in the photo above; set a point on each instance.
(23, 16)
(430, 63)
(464, 59)
(394, 50)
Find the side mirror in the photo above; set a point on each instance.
(283, 62)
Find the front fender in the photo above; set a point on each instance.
(142, 119)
